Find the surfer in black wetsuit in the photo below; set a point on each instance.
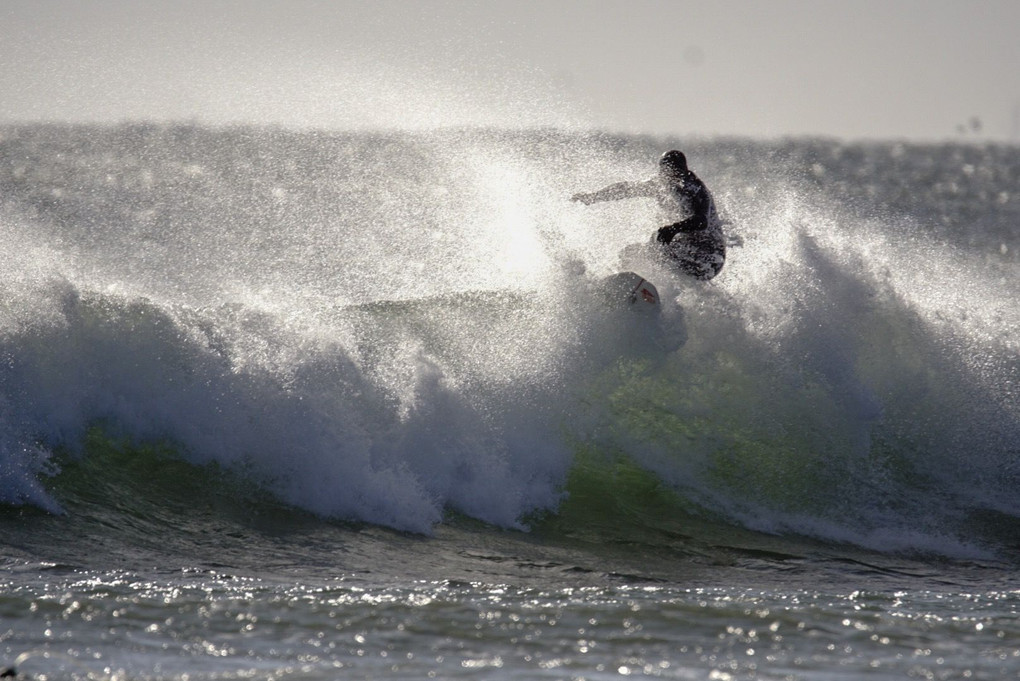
(693, 240)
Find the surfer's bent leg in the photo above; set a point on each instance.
(695, 223)
(693, 261)
(695, 254)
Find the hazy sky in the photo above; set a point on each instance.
(919, 69)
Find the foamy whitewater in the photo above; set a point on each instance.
(280, 404)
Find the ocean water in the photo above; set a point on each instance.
(290, 404)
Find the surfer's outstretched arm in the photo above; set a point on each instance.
(614, 192)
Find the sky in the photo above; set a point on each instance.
(853, 69)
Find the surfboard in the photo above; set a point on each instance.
(631, 290)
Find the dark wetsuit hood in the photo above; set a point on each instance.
(673, 164)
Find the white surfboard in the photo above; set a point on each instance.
(630, 290)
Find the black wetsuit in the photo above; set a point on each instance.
(696, 244)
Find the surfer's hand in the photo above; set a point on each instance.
(665, 234)
(586, 199)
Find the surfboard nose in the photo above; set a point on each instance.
(630, 289)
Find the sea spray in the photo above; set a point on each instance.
(384, 327)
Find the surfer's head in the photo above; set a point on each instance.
(673, 164)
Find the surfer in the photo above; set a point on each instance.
(693, 240)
